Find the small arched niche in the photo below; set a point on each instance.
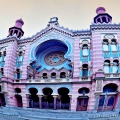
(83, 90)
(17, 90)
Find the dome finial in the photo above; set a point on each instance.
(100, 10)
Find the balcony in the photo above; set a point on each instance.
(83, 79)
(85, 59)
(50, 79)
(106, 54)
(114, 54)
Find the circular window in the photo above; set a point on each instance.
(54, 58)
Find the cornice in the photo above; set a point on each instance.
(64, 31)
(8, 39)
(103, 26)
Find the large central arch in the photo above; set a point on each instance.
(51, 53)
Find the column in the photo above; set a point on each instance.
(111, 67)
(109, 47)
(96, 103)
(34, 72)
(88, 53)
(89, 68)
(80, 71)
(55, 98)
(27, 95)
(70, 101)
(6, 101)
(40, 101)
(28, 69)
(119, 68)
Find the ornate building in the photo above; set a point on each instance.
(60, 68)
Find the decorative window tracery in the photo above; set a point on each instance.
(55, 58)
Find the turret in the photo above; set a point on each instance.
(17, 29)
(102, 16)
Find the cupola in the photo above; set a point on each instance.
(102, 16)
(17, 29)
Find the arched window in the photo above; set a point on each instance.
(53, 75)
(113, 45)
(115, 66)
(20, 57)
(83, 90)
(18, 73)
(85, 50)
(44, 75)
(2, 71)
(110, 101)
(62, 75)
(101, 101)
(0, 88)
(110, 88)
(105, 45)
(85, 70)
(107, 66)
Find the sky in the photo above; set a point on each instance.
(72, 14)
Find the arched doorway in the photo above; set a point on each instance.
(47, 99)
(18, 97)
(82, 101)
(2, 98)
(33, 98)
(63, 100)
(107, 101)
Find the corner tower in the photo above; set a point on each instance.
(17, 29)
(102, 16)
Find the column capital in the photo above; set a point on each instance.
(27, 94)
(28, 67)
(111, 64)
(72, 63)
(39, 95)
(89, 68)
(55, 96)
(70, 96)
(80, 68)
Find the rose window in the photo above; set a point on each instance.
(55, 58)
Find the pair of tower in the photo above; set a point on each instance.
(102, 17)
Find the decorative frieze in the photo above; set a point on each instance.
(99, 86)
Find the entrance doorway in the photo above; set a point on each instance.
(82, 101)
(106, 101)
(47, 99)
(33, 98)
(63, 101)
(2, 100)
(18, 97)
